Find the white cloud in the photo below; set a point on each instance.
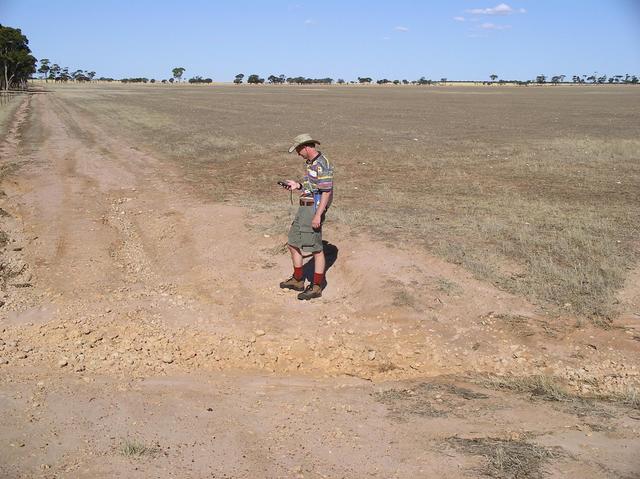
(386, 38)
(401, 29)
(459, 19)
(309, 22)
(500, 9)
(493, 26)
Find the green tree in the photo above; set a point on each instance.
(239, 78)
(44, 68)
(255, 79)
(364, 80)
(177, 72)
(493, 77)
(54, 72)
(16, 62)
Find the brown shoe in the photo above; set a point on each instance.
(312, 291)
(293, 283)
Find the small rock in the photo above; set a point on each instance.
(259, 332)
(63, 362)
(167, 358)
(372, 355)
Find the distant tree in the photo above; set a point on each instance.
(153, 80)
(555, 79)
(493, 77)
(16, 62)
(634, 80)
(239, 78)
(199, 79)
(171, 80)
(135, 80)
(44, 68)
(602, 79)
(64, 75)
(396, 82)
(54, 71)
(424, 81)
(340, 81)
(177, 73)
(273, 79)
(443, 80)
(163, 81)
(80, 76)
(364, 80)
(255, 79)
(541, 79)
(91, 75)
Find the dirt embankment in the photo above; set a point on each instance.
(115, 272)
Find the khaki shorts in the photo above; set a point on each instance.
(302, 235)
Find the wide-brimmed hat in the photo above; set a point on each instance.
(304, 139)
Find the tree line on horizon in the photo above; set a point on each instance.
(18, 65)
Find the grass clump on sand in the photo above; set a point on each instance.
(133, 448)
(507, 459)
(540, 386)
(550, 389)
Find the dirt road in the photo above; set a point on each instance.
(134, 312)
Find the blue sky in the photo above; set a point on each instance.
(458, 39)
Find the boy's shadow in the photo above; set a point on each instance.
(330, 257)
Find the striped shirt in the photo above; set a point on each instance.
(318, 177)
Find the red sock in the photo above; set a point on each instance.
(318, 278)
(297, 273)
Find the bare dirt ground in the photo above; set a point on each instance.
(143, 335)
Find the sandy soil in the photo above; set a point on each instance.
(134, 312)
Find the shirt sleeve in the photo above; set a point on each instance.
(325, 176)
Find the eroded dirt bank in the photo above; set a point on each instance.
(132, 309)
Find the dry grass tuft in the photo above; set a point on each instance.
(510, 459)
(543, 387)
(134, 449)
(551, 389)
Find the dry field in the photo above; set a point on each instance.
(536, 190)
(482, 314)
